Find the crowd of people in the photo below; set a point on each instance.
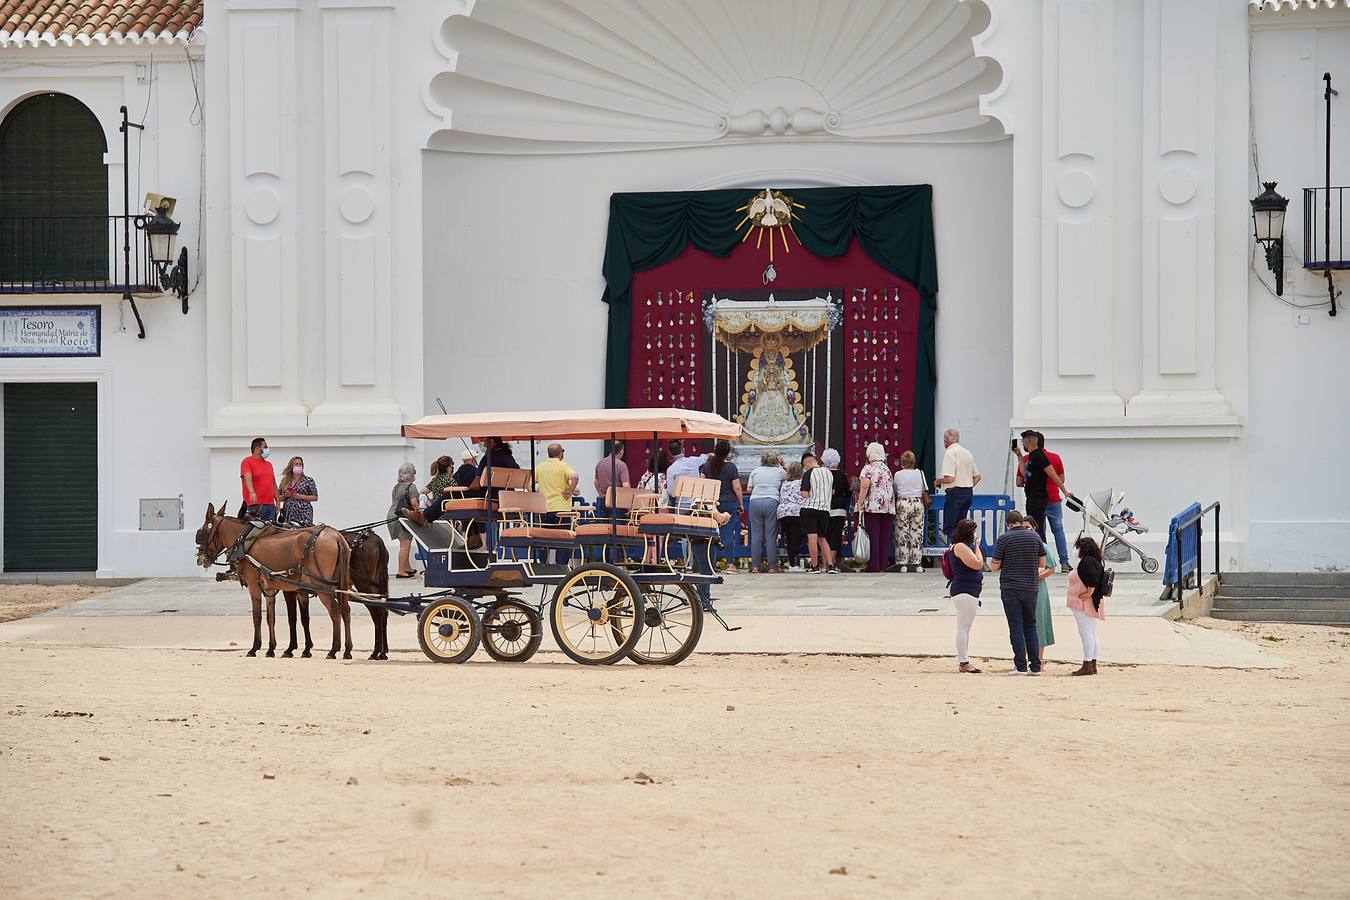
(798, 505)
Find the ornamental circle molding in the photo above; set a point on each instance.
(357, 205)
(1076, 189)
(262, 206)
(1177, 186)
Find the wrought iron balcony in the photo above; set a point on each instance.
(1319, 253)
(75, 255)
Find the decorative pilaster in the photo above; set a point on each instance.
(262, 194)
(357, 209)
(1077, 203)
(1179, 175)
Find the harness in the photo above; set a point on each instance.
(287, 576)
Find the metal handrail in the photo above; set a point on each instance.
(1178, 587)
(1324, 245)
(93, 262)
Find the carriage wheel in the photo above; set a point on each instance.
(597, 614)
(448, 630)
(1149, 565)
(672, 623)
(512, 631)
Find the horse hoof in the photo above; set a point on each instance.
(347, 655)
(331, 656)
(271, 653)
(289, 654)
(306, 654)
(251, 653)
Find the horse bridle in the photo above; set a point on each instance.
(204, 545)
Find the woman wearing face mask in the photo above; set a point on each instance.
(403, 497)
(298, 494)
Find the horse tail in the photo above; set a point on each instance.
(382, 579)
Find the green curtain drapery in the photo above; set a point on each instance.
(893, 224)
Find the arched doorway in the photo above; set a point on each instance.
(54, 225)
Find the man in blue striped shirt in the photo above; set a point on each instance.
(1019, 555)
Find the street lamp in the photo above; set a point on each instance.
(1268, 225)
(162, 233)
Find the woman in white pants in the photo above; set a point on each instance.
(967, 579)
(1085, 600)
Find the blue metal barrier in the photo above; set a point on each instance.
(1182, 558)
(988, 511)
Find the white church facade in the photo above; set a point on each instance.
(389, 203)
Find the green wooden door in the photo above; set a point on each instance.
(51, 477)
(53, 193)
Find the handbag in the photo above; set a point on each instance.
(862, 547)
(925, 499)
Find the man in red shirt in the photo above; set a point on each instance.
(259, 482)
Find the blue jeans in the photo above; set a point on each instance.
(1054, 515)
(730, 532)
(1019, 606)
(267, 512)
(955, 507)
(764, 531)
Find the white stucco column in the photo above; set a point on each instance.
(254, 191)
(357, 385)
(315, 286)
(1178, 351)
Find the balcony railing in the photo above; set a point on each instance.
(74, 255)
(1316, 229)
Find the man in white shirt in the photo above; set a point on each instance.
(959, 477)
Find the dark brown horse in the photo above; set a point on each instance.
(311, 560)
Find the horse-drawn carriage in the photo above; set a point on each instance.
(629, 582)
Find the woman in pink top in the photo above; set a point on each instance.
(1086, 601)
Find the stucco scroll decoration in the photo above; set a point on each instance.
(779, 121)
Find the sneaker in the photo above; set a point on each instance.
(1016, 672)
(832, 570)
(1034, 672)
(1066, 568)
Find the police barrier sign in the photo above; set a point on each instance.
(50, 331)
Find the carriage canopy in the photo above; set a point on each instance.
(575, 424)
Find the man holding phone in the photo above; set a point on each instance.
(1040, 475)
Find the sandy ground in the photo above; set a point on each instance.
(19, 601)
(161, 773)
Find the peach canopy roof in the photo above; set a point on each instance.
(577, 424)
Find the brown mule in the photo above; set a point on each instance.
(369, 575)
(317, 560)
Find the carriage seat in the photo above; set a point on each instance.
(629, 504)
(696, 498)
(471, 507)
(520, 528)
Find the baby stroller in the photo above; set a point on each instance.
(1102, 510)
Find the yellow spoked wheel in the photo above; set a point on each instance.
(449, 630)
(596, 614)
(512, 631)
(672, 622)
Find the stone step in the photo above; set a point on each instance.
(1289, 616)
(1308, 603)
(1324, 579)
(1290, 591)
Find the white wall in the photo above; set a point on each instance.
(1298, 431)
(151, 392)
(513, 249)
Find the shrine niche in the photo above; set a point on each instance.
(774, 359)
